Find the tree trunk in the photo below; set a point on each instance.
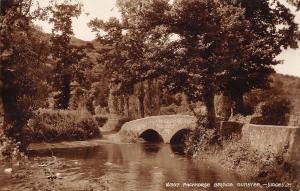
(149, 98)
(63, 98)
(238, 105)
(112, 99)
(141, 98)
(121, 105)
(127, 112)
(157, 94)
(210, 108)
(14, 115)
(223, 106)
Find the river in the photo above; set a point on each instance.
(97, 165)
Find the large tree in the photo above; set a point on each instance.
(272, 29)
(206, 44)
(211, 42)
(62, 51)
(203, 47)
(23, 55)
(296, 3)
(127, 48)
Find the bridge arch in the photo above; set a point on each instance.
(150, 135)
(180, 136)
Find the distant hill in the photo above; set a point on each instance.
(78, 42)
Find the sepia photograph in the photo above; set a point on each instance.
(149, 95)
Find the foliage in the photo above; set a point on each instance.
(9, 150)
(201, 139)
(101, 120)
(211, 43)
(237, 155)
(272, 106)
(265, 42)
(127, 49)
(144, 51)
(198, 47)
(24, 52)
(274, 111)
(296, 3)
(60, 125)
(63, 53)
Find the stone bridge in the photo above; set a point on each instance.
(163, 128)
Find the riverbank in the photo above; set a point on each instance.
(268, 167)
(48, 148)
(48, 125)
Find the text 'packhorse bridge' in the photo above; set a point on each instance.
(163, 128)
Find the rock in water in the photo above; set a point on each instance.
(7, 170)
(108, 164)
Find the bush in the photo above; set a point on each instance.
(101, 120)
(121, 122)
(202, 138)
(9, 150)
(61, 125)
(274, 111)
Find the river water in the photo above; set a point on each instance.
(111, 166)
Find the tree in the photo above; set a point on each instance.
(62, 52)
(267, 40)
(211, 40)
(201, 47)
(296, 3)
(189, 64)
(23, 54)
(124, 54)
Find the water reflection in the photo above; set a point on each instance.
(151, 148)
(178, 148)
(132, 167)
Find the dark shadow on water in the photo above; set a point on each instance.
(151, 148)
(178, 148)
(152, 136)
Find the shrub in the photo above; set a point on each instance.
(59, 125)
(121, 122)
(9, 149)
(101, 120)
(202, 138)
(274, 111)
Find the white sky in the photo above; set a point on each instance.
(104, 9)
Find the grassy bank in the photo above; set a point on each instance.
(49, 125)
(236, 155)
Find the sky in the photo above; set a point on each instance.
(104, 9)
